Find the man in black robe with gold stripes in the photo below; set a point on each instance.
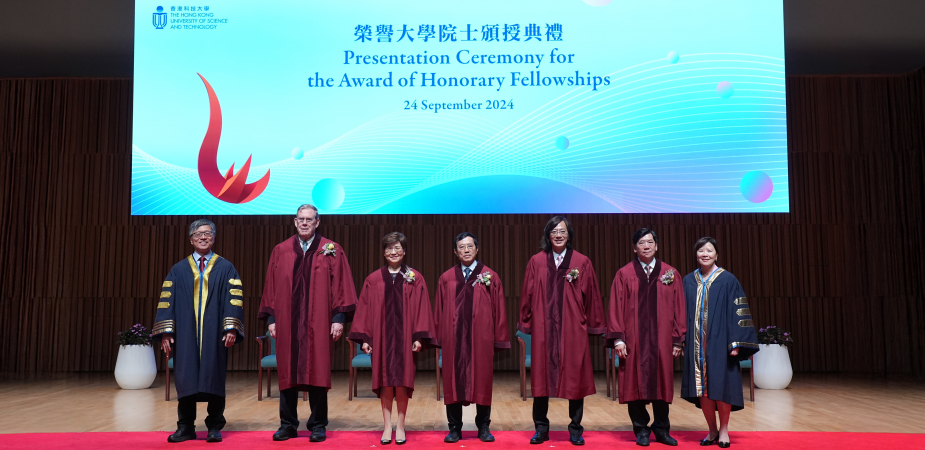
(200, 314)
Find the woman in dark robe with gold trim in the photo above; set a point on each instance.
(393, 320)
(720, 334)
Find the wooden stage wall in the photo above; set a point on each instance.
(843, 270)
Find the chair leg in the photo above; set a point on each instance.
(270, 380)
(438, 382)
(350, 384)
(523, 383)
(356, 376)
(259, 384)
(751, 376)
(608, 364)
(167, 370)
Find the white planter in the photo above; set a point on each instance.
(135, 367)
(772, 366)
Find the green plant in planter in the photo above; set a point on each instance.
(773, 335)
(137, 335)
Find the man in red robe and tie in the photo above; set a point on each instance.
(560, 305)
(471, 323)
(646, 323)
(308, 296)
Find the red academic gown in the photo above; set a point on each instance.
(559, 315)
(650, 317)
(390, 316)
(303, 292)
(471, 324)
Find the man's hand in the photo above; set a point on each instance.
(620, 349)
(230, 337)
(366, 348)
(337, 329)
(734, 352)
(677, 351)
(166, 340)
(272, 330)
(416, 346)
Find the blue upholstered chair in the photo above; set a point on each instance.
(439, 368)
(358, 359)
(169, 364)
(266, 362)
(524, 340)
(269, 363)
(610, 369)
(747, 364)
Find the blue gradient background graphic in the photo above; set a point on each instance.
(696, 102)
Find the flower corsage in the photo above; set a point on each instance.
(572, 275)
(483, 278)
(667, 278)
(408, 276)
(327, 249)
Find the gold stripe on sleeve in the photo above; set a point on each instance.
(168, 284)
(236, 292)
(165, 294)
(163, 305)
(235, 282)
(744, 311)
(741, 301)
(742, 344)
(237, 303)
(745, 323)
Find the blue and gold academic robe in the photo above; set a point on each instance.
(718, 320)
(198, 308)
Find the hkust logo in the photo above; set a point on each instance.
(231, 187)
(159, 18)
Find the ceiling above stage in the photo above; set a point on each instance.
(93, 38)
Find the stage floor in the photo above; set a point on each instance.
(93, 402)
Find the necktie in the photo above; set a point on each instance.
(558, 260)
(648, 271)
(304, 246)
(202, 264)
(466, 273)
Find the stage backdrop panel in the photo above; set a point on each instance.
(843, 270)
(391, 107)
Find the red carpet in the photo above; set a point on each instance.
(349, 440)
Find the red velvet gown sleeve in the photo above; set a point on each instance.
(502, 333)
(527, 294)
(423, 329)
(344, 294)
(616, 326)
(594, 305)
(269, 297)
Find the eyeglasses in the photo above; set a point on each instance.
(558, 233)
(465, 247)
(203, 234)
(303, 220)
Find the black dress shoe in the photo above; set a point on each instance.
(318, 435)
(539, 438)
(385, 441)
(576, 440)
(453, 437)
(722, 444)
(182, 435)
(705, 442)
(284, 433)
(214, 436)
(485, 435)
(642, 440)
(662, 437)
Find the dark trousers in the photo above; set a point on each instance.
(186, 411)
(317, 401)
(640, 416)
(454, 416)
(576, 409)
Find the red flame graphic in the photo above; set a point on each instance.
(231, 187)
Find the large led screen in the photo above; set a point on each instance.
(450, 107)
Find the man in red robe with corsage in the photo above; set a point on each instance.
(471, 323)
(646, 322)
(308, 296)
(560, 305)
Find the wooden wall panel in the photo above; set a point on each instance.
(843, 270)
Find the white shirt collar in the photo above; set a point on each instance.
(558, 257)
(207, 256)
(471, 267)
(307, 243)
(651, 264)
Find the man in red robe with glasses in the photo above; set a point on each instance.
(308, 296)
(471, 323)
(646, 322)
